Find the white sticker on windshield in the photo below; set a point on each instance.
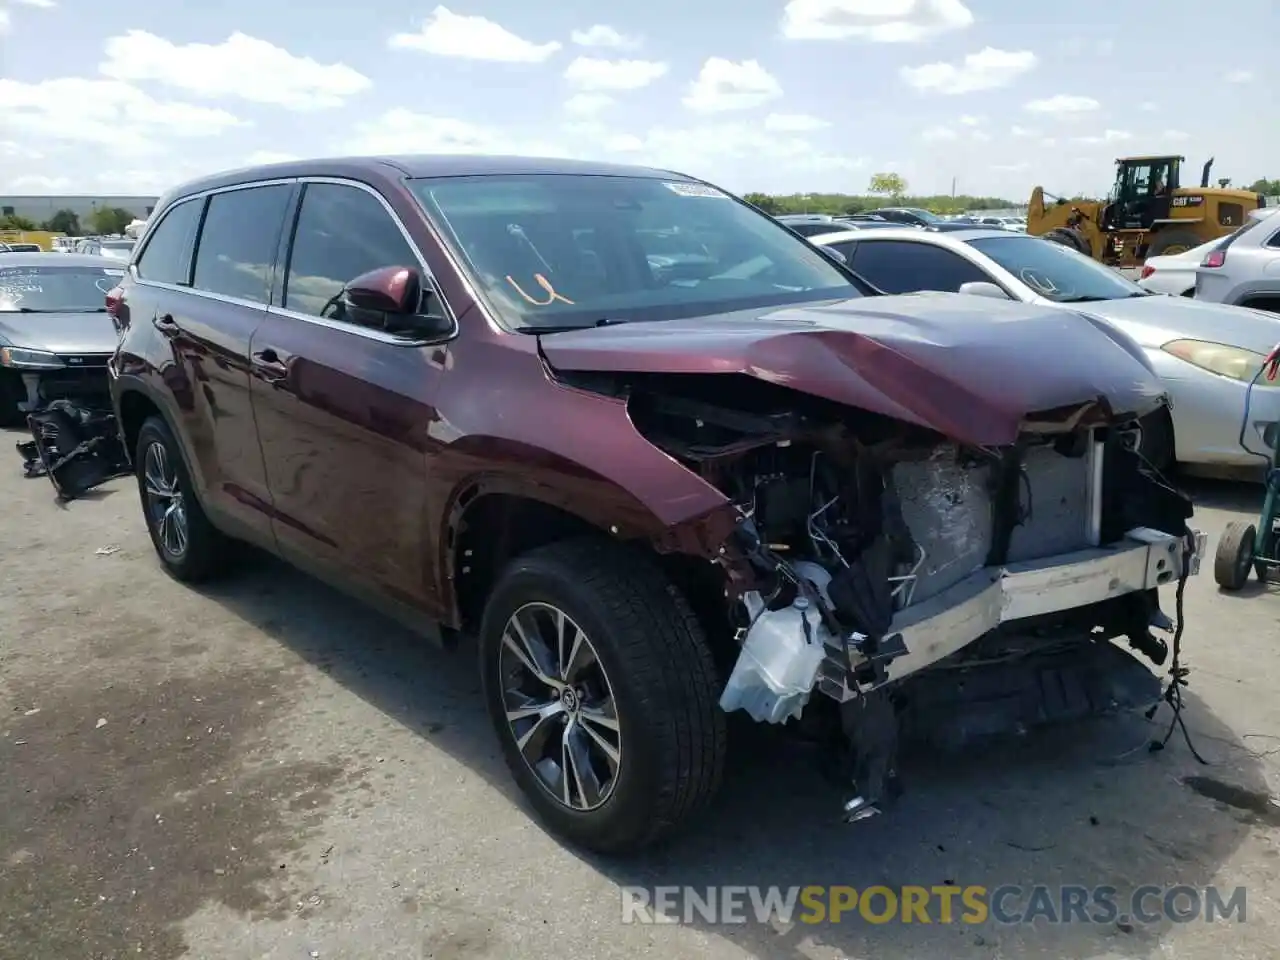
(695, 190)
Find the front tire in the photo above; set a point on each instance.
(601, 687)
(190, 548)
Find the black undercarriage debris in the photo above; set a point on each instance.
(76, 447)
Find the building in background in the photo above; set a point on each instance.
(40, 209)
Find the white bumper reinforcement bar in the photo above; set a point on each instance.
(938, 627)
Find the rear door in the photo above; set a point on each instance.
(344, 410)
(206, 317)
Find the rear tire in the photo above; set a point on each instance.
(1068, 237)
(1234, 556)
(190, 548)
(646, 650)
(1169, 242)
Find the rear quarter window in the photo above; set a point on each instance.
(167, 255)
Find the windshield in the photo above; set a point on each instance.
(566, 250)
(1056, 272)
(52, 289)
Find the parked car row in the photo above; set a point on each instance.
(1206, 354)
(1251, 278)
(661, 456)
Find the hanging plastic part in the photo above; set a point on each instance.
(779, 661)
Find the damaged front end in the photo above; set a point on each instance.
(870, 552)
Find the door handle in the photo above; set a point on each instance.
(269, 365)
(165, 324)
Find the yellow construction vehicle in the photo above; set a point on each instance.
(1147, 213)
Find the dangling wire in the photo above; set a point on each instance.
(548, 289)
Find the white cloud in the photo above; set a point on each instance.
(448, 34)
(4, 21)
(980, 136)
(110, 113)
(1175, 136)
(705, 149)
(1239, 76)
(1063, 105)
(794, 123)
(880, 21)
(970, 121)
(1011, 167)
(599, 35)
(404, 131)
(987, 69)
(724, 85)
(624, 143)
(1023, 132)
(241, 67)
(938, 134)
(590, 73)
(42, 4)
(588, 104)
(259, 157)
(37, 183)
(1107, 136)
(1149, 107)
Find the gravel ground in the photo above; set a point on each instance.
(267, 770)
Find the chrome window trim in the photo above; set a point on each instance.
(369, 333)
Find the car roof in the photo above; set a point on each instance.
(417, 165)
(940, 237)
(47, 258)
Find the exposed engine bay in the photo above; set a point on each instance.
(869, 551)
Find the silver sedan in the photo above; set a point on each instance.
(1205, 353)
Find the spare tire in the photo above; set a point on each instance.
(1072, 238)
(1173, 241)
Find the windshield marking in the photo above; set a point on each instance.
(545, 284)
(695, 190)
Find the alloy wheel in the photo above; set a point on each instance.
(166, 506)
(559, 706)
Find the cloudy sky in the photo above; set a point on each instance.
(751, 94)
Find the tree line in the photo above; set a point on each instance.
(103, 221)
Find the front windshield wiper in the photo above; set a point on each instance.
(566, 327)
(1082, 299)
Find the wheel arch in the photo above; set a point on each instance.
(494, 517)
(135, 404)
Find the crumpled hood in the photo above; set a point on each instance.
(64, 333)
(971, 368)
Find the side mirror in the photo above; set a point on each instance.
(982, 288)
(395, 290)
(390, 298)
(833, 253)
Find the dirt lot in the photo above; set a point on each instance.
(268, 770)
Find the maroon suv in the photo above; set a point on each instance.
(661, 456)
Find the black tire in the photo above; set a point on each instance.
(671, 736)
(1068, 237)
(12, 392)
(1157, 446)
(1234, 557)
(205, 551)
(1177, 241)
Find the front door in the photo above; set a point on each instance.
(344, 411)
